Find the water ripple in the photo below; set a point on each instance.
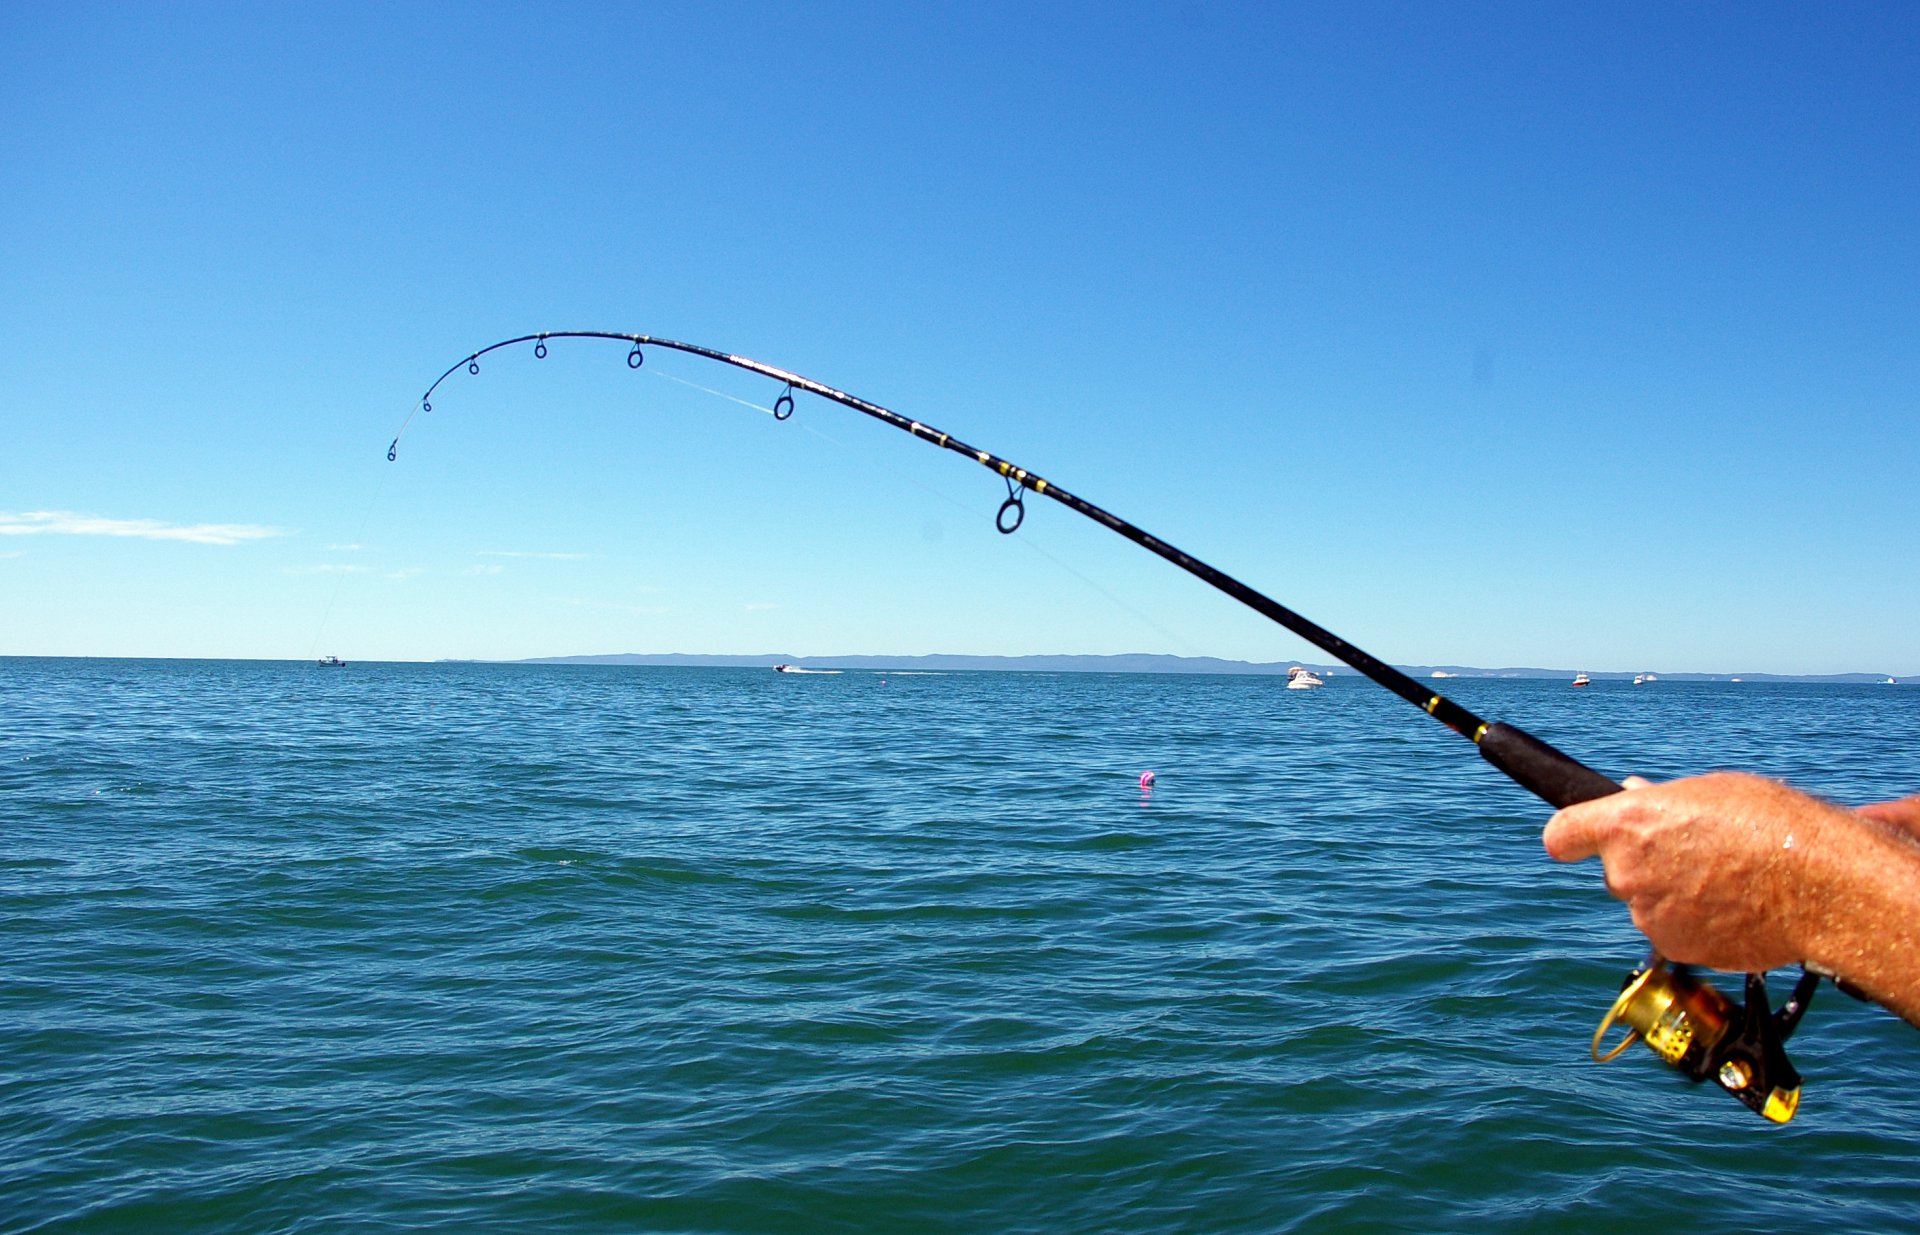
(510, 948)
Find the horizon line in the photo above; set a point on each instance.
(1144, 662)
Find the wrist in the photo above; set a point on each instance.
(1854, 917)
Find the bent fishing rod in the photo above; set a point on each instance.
(1691, 1025)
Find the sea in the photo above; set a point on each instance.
(512, 948)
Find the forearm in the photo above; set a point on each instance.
(1737, 872)
(1859, 912)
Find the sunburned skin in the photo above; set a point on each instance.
(1742, 873)
(1902, 817)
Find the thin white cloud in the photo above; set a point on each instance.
(545, 557)
(577, 602)
(760, 606)
(68, 523)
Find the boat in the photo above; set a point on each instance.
(1581, 679)
(798, 669)
(1299, 678)
(332, 662)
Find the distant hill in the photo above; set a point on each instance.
(1142, 662)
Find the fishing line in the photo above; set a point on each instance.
(340, 575)
(1027, 542)
(718, 394)
(1033, 544)
(1689, 1024)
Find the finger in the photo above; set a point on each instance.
(1568, 837)
(1572, 835)
(1893, 812)
(1902, 816)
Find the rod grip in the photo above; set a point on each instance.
(1556, 777)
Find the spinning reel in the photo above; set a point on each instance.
(1703, 1034)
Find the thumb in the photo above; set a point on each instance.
(1568, 836)
(1574, 833)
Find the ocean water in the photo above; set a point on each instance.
(513, 948)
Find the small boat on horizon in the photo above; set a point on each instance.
(1581, 679)
(1300, 678)
(332, 662)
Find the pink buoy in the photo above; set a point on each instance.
(1146, 780)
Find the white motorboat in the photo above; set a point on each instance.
(1303, 679)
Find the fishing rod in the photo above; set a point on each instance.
(1686, 1021)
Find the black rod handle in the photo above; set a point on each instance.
(1556, 777)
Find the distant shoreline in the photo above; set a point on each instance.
(1129, 663)
(1151, 663)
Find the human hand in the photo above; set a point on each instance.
(1712, 867)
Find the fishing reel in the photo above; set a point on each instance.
(1703, 1034)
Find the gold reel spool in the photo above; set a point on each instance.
(1635, 983)
(1701, 1033)
(1683, 1021)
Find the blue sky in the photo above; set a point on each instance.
(1493, 334)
